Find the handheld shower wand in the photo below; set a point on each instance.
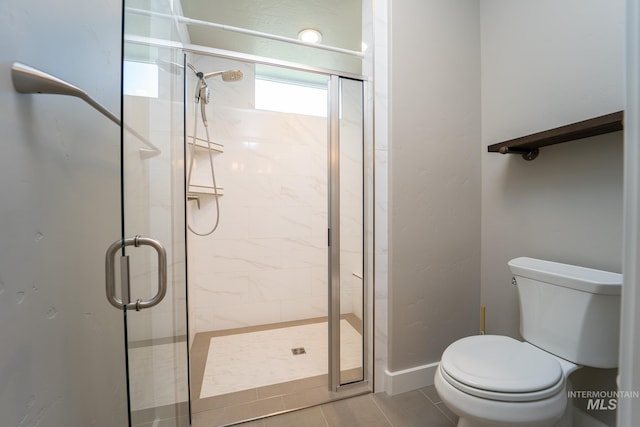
(203, 97)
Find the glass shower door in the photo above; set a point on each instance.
(154, 240)
(153, 207)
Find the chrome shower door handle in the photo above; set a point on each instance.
(110, 286)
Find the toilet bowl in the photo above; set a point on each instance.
(569, 318)
(493, 381)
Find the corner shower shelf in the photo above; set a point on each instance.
(203, 144)
(528, 145)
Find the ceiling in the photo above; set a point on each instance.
(339, 21)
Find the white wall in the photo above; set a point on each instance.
(434, 192)
(62, 353)
(547, 64)
(566, 205)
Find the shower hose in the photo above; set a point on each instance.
(213, 174)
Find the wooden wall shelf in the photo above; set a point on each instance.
(528, 145)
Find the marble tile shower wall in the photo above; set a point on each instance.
(267, 261)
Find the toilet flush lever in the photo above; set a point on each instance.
(514, 282)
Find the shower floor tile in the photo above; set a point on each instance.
(257, 359)
(259, 401)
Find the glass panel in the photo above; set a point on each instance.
(351, 231)
(154, 207)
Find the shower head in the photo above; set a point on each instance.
(203, 92)
(227, 76)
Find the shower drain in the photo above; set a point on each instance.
(298, 350)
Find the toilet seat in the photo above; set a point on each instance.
(501, 368)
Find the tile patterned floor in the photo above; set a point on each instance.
(262, 398)
(419, 408)
(249, 360)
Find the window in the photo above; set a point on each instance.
(140, 79)
(288, 97)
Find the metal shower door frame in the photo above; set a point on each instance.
(335, 382)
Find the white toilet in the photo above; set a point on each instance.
(569, 317)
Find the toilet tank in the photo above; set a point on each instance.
(570, 311)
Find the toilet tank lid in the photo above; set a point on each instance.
(568, 276)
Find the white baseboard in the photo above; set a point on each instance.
(409, 379)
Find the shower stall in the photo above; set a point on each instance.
(290, 223)
(262, 194)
